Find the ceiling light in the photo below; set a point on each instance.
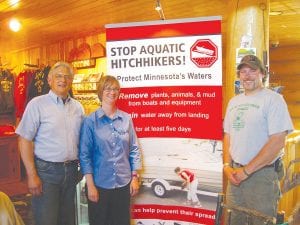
(158, 5)
(14, 3)
(160, 10)
(14, 25)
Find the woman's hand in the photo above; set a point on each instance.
(93, 193)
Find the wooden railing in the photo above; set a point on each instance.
(291, 181)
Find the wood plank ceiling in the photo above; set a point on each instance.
(49, 21)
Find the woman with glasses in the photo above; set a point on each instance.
(109, 158)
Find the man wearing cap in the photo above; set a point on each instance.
(255, 127)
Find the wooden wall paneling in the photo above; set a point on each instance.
(16, 61)
(69, 45)
(49, 54)
(296, 122)
(43, 55)
(285, 68)
(34, 55)
(284, 71)
(27, 58)
(292, 85)
(294, 109)
(286, 77)
(23, 58)
(54, 52)
(289, 53)
(61, 49)
(19, 58)
(41, 61)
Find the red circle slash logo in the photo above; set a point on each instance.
(204, 53)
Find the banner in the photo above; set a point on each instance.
(171, 84)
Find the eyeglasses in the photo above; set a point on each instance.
(112, 89)
(65, 76)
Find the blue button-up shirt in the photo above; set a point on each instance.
(53, 126)
(109, 149)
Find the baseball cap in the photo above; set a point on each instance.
(253, 62)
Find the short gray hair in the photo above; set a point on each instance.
(61, 64)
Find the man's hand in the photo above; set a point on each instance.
(35, 185)
(231, 175)
(240, 174)
(134, 186)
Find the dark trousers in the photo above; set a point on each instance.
(113, 207)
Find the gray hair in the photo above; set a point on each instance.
(58, 65)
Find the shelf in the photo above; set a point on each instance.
(85, 87)
(15, 188)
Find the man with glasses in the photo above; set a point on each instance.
(48, 139)
(255, 126)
